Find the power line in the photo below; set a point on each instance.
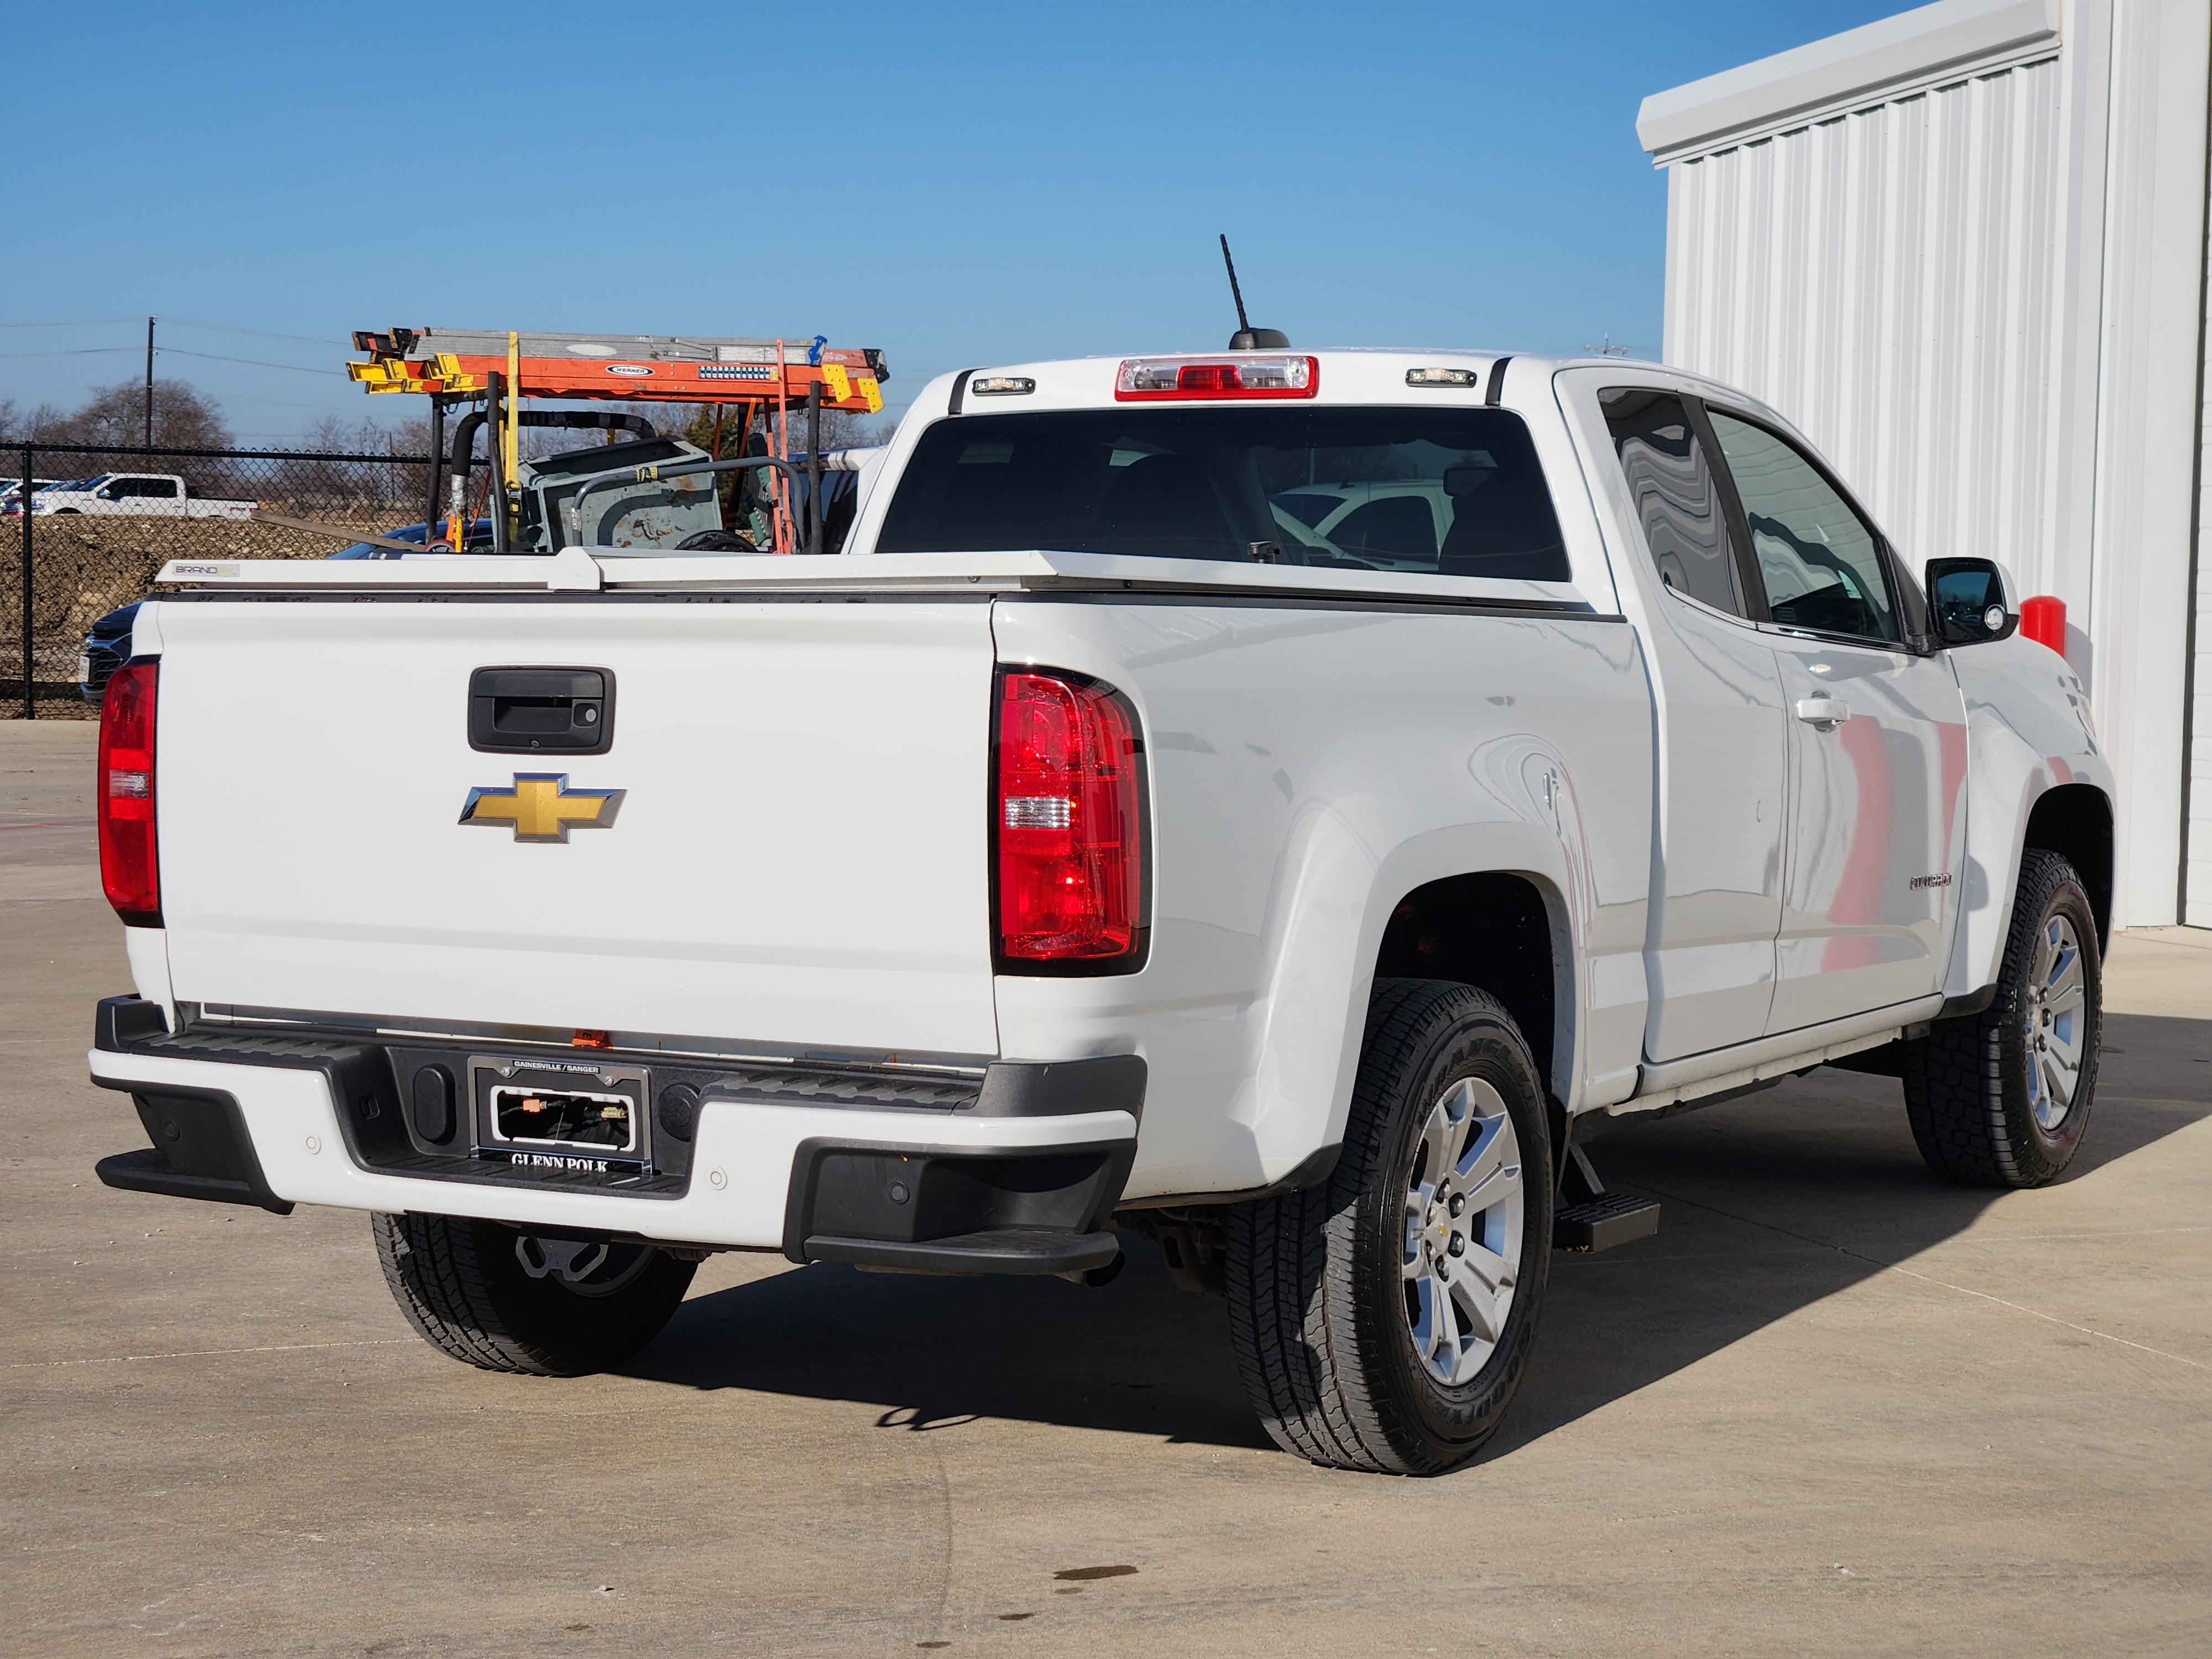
(251, 362)
(176, 351)
(185, 322)
(267, 334)
(72, 322)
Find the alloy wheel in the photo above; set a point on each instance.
(2058, 1023)
(1464, 1212)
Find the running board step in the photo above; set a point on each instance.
(1599, 1224)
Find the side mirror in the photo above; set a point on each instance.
(1967, 603)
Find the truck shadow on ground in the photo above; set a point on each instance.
(1137, 1356)
(1771, 1204)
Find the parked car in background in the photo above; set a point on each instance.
(162, 494)
(107, 648)
(12, 490)
(11, 499)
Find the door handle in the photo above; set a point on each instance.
(1825, 712)
(528, 711)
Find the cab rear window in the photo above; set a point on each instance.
(1450, 492)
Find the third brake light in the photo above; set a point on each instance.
(1159, 380)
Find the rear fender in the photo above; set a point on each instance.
(1310, 768)
(1246, 1087)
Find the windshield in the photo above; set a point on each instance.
(1452, 492)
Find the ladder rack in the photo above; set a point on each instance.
(670, 368)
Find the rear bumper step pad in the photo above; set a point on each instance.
(201, 1149)
(1027, 1250)
(149, 1171)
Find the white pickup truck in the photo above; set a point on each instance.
(1284, 803)
(162, 495)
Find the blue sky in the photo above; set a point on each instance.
(957, 184)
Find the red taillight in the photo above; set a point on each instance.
(130, 859)
(1067, 821)
(1160, 380)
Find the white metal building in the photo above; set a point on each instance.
(1964, 248)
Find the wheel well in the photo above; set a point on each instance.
(1489, 930)
(2076, 821)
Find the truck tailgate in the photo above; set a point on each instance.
(799, 859)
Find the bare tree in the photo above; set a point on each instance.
(184, 418)
(39, 425)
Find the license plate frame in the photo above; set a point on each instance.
(498, 1084)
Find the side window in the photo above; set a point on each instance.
(1676, 498)
(1817, 558)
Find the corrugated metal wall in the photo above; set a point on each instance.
(1884, 278)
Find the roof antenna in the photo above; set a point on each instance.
(1246, 337)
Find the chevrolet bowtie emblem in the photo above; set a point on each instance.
(541, 806)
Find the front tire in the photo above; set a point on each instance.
(2002, 1098)
(1383, 1320)
(503, 1300)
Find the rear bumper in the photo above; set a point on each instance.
(773, 1160)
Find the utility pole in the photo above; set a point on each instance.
(149, 383)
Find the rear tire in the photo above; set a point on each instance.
(502, 1300)
(2002, 1098)
(1383, 1320)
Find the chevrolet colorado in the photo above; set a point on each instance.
(1285, 802)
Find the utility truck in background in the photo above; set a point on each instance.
(632, 491)
(1285, 802)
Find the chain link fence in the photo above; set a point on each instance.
(81, 552)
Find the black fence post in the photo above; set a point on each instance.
(23, 500)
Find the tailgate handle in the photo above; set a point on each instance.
(541, 711)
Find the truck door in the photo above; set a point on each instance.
(1716, 878)
(138, 492)
(1877, 744)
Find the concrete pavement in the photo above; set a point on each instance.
(1835, 1407)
